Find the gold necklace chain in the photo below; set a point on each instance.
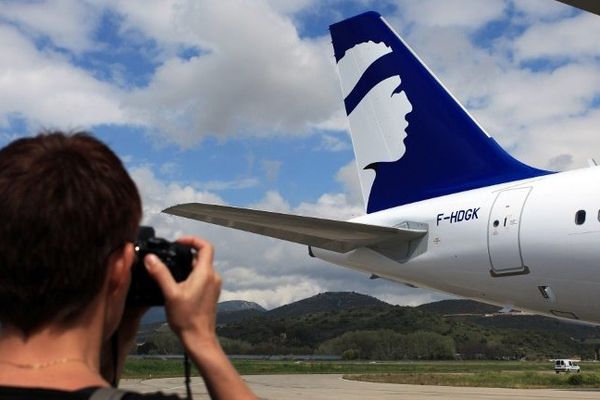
(43, 365)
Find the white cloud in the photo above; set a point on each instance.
(332, 206)
(463, 13)
(158, 195)
(527, 98)
(253, 74)
(290, 6)
(272, 201)
(69, 24)
(47, 91)
(275, 296)
(530, 11)
(329, 205)
(541, 115)
(574, 37)
(169, 168)
(333, 143)
(337, 121)
(156, 19)
(257, 76)
(348, 177)
(561, 162)
(576, 136)
(414, 298)
(242, 183)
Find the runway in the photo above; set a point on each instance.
(333, 387)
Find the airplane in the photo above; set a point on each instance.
(446, 207)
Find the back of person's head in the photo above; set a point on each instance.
(66, 204)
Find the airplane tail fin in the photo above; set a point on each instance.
(412, 139)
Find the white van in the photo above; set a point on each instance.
(565, 365)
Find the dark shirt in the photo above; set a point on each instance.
(21, 393)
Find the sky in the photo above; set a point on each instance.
(237, 102)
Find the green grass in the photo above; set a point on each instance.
(476, 373)
(522, 380)
(349, 367)
(152, 368)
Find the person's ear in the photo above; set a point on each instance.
(119, 269)
(116, 286)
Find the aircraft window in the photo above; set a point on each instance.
(580, 217)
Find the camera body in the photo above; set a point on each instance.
(144, 291)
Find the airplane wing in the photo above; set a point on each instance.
(338, 236)
(592, 6)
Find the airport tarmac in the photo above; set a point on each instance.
(333, 387)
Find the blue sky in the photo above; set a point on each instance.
(237, 102)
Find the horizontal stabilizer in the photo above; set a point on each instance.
(338, 236)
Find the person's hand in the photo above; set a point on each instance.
(191, 305)
(191, 311)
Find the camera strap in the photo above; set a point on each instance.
(114, 344)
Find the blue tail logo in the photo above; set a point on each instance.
(413, 141)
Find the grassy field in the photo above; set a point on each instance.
(521, 380)
(452, 373)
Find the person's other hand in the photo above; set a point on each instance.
(191, 305)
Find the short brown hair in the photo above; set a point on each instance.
(66, 203)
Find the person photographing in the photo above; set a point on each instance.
(70, 216)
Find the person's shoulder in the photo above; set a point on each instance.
(23, 393)
(28, 393)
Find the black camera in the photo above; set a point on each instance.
(144, 291)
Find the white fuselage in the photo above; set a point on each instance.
(516, 244)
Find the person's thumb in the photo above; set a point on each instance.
(161, 274)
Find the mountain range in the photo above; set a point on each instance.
(239, 310)
(306, 326)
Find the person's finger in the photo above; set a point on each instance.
(193, 241)
(204, 257)
(205, 250)
(161, 274)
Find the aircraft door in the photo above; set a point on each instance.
(504, 227)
